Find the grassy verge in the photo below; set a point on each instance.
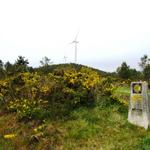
(123, 90)
(126, 91)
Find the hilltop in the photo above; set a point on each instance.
(52, 67)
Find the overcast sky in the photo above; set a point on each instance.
(110, 31)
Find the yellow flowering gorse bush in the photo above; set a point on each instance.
(10, 136)
(32, 94)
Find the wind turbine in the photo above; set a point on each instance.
(75, 42)
(65, 59)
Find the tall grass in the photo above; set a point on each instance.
(103, 126)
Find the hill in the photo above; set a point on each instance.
(66, 107)
(52, 67)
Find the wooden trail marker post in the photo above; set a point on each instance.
(139, 105)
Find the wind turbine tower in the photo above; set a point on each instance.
(65, 59)
(75, 42)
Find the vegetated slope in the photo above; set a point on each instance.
(66, 108)
(51, 68)
(104, 126)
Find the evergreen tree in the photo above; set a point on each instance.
(146, 72)
(144, 61)
(21, 64)
(124, 71)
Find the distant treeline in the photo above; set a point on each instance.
(124, 71)
(22, 65)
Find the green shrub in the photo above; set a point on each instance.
(6, 144)
(146, 143)
(26, 108)
(35, 96)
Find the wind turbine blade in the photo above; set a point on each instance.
(76, 36)
(71, 42)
